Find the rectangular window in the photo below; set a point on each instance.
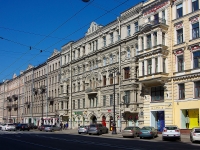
(83, 50)
(142, 43)
(195, 30)
(111, 100)
(181, 88)
(195, 5)
(156, 65)
(84, 85)
(78, 52)
(196, 59)
(96, 101)
(126, 73)
(78, 103)
(197, 89)
(73, 104)
(149, 66)
(104, 80)
(128, 30)
(111, 80)
(163, 14)
(117, 98)
(157, 93)
(155, 38)
(83, 68)
(74, 54)
(136, 27)
(84, 103)
(180, 63)
(179, 10)
(163, 38)
(111, 38)
(143, 68)
(126, 97)
(149, 41)
(164, 65)
(179, 36)
(128, 53)
(74, 87)
(104, 100)
(118, 35)
(104, 41)
(79, 87)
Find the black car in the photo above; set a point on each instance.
(22, 127)
(32, 126)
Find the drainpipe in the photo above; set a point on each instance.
(120, 116)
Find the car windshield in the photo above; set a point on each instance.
(48, 126)
(82, 126)
(128, 128)
(171, 128)
(23, 124)
(197, 130)
(92, 125)
(146, 128)
(10, 124)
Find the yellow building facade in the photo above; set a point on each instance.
(186, 63)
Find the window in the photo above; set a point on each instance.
(111, 100)
(156, 65)
(84, 103)
(74, 54)
(142, 43)
(163, 14)
(128, 30)
(149, 41)
(136, 49)
(111, 59)
(117, 98)
(126, 97)
(96, 41)
(197, 89)
(111, 38)
(79, 88)
(104, 100)
(179, 36)
(180, 63)
(118, 35)
(195, 5)
(83, 85)
(104, 41)
(83, 68)
(104, 80)
(149, 66)
(78, 69)
(196, 59)
(111, 80)
(155, 38)
(83, 50)
(126, 73)
(128, 53)
(136, 27)
(73, 104)
(181, 88)
(164, 65)
(195, 30)
(78, 52)
(157, 93)
(78, 103)
(179, 11)
(74, 87)
(68, 58)
(143, 68)
(104, 61)
(163, 38)
(96, 101)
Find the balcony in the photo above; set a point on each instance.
(9, 99)
(89, 90)
(15, 97)
(153, 24)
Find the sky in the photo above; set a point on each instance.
(29, 26)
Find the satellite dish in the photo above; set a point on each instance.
(85, 0)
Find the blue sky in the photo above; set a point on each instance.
(47, 25)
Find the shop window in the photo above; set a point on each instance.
(196, 59)
(126, 73)
(197, 89)
(195, 30)
(179, 10)
(104, 100)
(181, 88)
(195, 5)
(157, 93)
(180, 63)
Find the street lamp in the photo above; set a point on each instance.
(112, 74)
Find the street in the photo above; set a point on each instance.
(61, 140)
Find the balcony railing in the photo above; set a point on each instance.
(90, 90)
(9, 99)
(153, 22)
(15, 97)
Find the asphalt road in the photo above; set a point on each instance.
(32, 140)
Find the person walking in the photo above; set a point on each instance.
(61, 125)
(66, 125)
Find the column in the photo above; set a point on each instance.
(159, 36)
(145, 67)
(140, 68)
(153, 65)
(145, 41)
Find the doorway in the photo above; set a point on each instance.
(158, 120)
(104, 121)
(93, 119)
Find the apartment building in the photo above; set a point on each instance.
(92, 67)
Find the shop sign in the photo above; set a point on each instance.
(157, 107)
(78, 112)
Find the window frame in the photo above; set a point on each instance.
(181, 91)
(179, 36)
(195, 93)
(195, 31)
(179, 10)
(155, 91)
(180, 68)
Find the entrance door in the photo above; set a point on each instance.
(193, 115)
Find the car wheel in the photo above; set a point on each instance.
(107, 131)
(124, 137)
(140, 137)
(99, 133)
(89, 133)
(163, 138)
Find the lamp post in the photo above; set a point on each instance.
(112, 74)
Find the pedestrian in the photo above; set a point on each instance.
(66, 125)
(61, 125)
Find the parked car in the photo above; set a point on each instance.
(51, 128)
(195, 134)
(148, 131)
(83, 129)
(131, 131)
(8, 127)
(41, 128)
(23, 127)
(97, 129)
(171, 132)
(1, 126)
(32, 126)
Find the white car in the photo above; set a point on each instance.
(195, 134)
(171, 132)
(1, 126)
(8, 127)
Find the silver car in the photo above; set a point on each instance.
(171, 132)
(83, 129)
(51, 128)
(8, 127)
(97, 129)
(131, 131)
(195, 134)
